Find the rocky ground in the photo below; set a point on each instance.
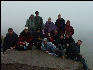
(35, 60)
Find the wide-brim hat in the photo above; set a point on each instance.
(36, 12)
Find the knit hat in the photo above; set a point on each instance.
(26, 28)
(45, 39)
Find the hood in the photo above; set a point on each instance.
(68, 23)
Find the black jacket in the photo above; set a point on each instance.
(76, 49)
(60, 24)
(10, 41)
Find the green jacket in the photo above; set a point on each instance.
(30, 24)
(38, 22)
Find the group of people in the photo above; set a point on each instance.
(55, 39)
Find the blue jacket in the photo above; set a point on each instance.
(48, 47)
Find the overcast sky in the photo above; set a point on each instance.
(14, 14)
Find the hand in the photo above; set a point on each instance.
(67, 44)
(24, 43)
(11, 48)
(59, 44)
(46, 51)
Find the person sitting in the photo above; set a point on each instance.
(49, 27)
(55, 37)
(50, 37)
(30, 24)
(25, 40)
(69, 42)
(77, 56)
(68, 28)
(38, 36)
(48, 47)
(60, 24)
(61, 42)
(10, 41)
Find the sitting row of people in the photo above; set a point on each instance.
(58, 44)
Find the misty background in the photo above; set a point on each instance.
(80, 13)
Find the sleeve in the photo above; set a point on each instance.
(41, 22)
(56, 23)
(27, 23)
(42, 47)
(64, 24)
(72, 30)
(30, 39)
(16, 39)
(45, 27)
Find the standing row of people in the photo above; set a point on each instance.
(51, 38)
(36, 22)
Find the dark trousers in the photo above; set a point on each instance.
(37, 43)
(59, 53)
(79, 57)
(82, 60)
(29, 47)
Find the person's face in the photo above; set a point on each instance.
(68, 23)
(31, 17)
(37, 14)
(48, 34)
(67, 36)
(45, 42)
(61, 37)
(10, 32)
(49, 20)
(59, 17)
(79, 42)
(56, 32)
(26, 30)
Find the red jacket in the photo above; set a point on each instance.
(50, 39)
(68, 28)
(24, 37)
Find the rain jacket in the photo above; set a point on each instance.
(49, 27)
(10, 41)
(60, 24)
(48, 47)
(24, 37)
(69, 29)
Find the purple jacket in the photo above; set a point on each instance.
(49, 26)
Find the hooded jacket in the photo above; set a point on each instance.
(68, 28)
(48, 47)
(25, 37)
(10, 41)
(49, 27)
(60, 23)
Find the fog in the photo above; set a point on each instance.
(14, 14)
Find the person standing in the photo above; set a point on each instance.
(60, 24)
(68, 28)
(30, 24)
(38, 21)
(49, 27)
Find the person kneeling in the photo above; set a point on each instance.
(25, 40)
